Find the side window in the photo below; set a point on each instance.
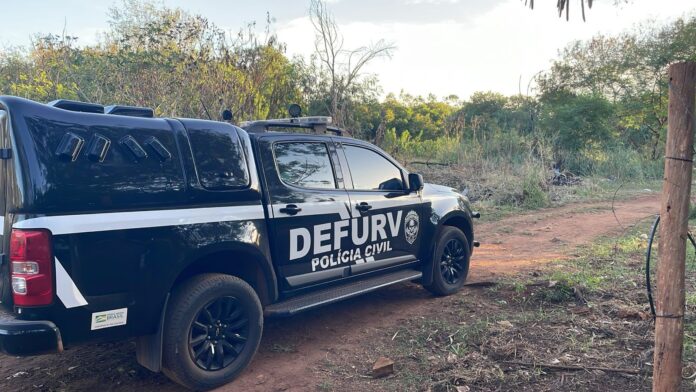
(371, 171)
(219, 158)
(305, 164)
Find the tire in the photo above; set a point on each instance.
(212, 330)
(449, 273)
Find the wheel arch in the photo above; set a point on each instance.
(461, 221)
(238, 259)
(458, 219)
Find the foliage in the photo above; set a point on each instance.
(600, 110)
(179, 64)
(340, 69)
(629, 71)
(578, 121)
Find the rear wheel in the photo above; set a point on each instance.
(213, 327)
(450, 262)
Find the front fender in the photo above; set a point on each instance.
(447, 213)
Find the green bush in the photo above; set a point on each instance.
(618, 162)
(534, 189)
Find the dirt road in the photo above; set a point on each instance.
(293, 348)
(527, 240)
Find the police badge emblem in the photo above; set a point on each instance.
(411, 224)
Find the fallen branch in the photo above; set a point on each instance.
(570, 367)
(430, 163)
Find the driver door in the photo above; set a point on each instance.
(380, 202)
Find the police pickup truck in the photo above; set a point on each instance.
(185, 233)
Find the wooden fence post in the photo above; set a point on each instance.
(674, 216)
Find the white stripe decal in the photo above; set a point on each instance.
(379, 203)
(87, 223)
(391, 203)
(315, 208)
(2, 225)
(68, 293)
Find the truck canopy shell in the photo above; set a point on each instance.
(72, 161)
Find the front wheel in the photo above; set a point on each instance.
(213, 327)
(450, 262)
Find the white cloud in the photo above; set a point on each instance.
(500, 50)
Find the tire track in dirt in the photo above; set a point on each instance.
(293, 349)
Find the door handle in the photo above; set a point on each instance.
(290, 209)
(362, 207)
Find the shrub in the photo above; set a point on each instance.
(534, 188)
(618, 162)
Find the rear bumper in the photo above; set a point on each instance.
(23, 337)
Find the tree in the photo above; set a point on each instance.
(179, 64)
(578, 122)
(342, 67)
(629, 71)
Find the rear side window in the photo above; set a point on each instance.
(219, 158)
(371, 171)
(305, 164)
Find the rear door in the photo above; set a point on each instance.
(309, 208)
(379, 200)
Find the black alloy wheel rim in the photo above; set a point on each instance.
(218, 334)
(452, 262)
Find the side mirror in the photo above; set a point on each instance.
(415, 182)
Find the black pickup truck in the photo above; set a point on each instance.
(186, 233)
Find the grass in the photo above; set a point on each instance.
(500, 187)
(505, 175)
(587, 311)
(498, 197)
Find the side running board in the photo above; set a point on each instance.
(298, 304)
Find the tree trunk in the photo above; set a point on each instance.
(379, 134)
(669, 324)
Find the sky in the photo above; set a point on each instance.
(443, 47)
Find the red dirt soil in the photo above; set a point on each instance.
(293, 348)
(530, 239)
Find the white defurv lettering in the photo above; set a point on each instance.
(295, 235)
(355, 228)
(66, 289)
(378, 222)
(87, 223)
(325, 240)
(109, 318)
(322, 233)
(394, 223)
(340, 233)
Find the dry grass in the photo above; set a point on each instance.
(503, 189)
(586, 313)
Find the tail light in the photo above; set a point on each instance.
(31, 264)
